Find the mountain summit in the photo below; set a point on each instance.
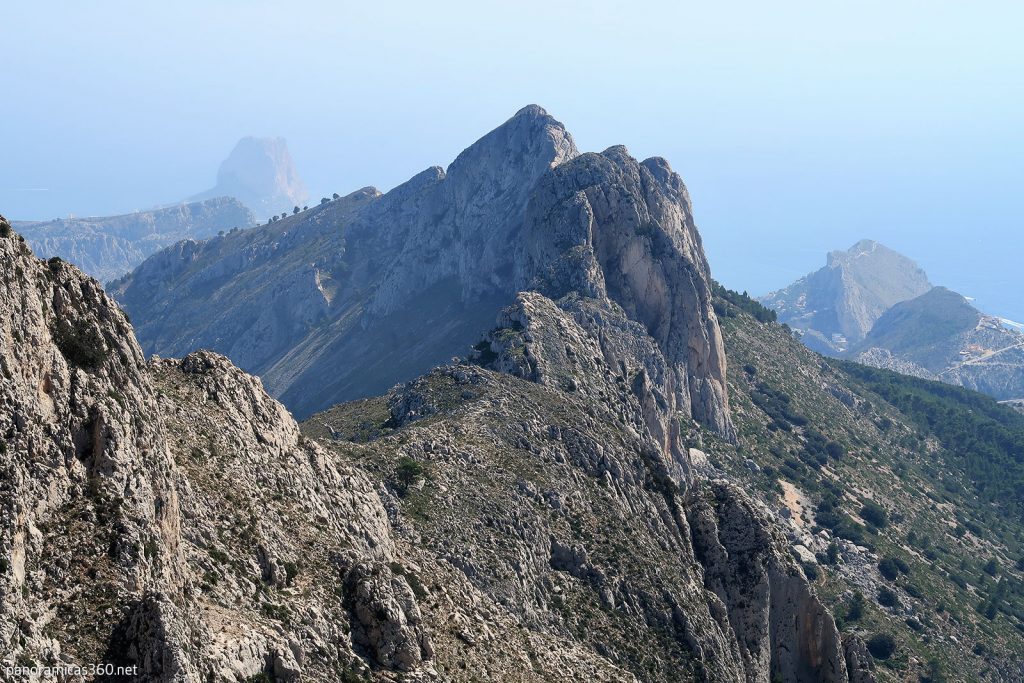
(260, 173)
(348, 298)
(833, 308)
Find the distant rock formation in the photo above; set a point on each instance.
(877, 307)
(260, 173)
(940, 335)
(108, 247)
(354, 295)
(833, 308)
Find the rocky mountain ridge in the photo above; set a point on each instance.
(941, 336)
(320, 304)
(169, 516)
(108, 247)
(835, 307)
(877, 307)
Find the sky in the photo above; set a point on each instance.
(799, 127)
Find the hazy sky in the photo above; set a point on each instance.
(799, 127)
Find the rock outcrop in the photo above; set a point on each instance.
(609, 228)
(781, 627)
(523, 486)
(108, 247)
(321, 305)
(261, 174)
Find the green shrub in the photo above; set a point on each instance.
(291, 570)
(832, 553)
(80, 343)
(835, 450)
(218, 556)
(882, 646)
(887, 568)
(407, 473)
(875, 514)
(887, 597)
(855, 610)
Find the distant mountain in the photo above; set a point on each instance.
(835, 307)
(108, 247)
(261, 174)
(939, 335)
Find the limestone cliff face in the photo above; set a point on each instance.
(321, 305)
(610, 228)
(781, 627)
(88, 492)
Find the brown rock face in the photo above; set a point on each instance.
(87, 485)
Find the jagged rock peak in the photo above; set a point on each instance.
(520, 209)
(531, 140)
(605, 226)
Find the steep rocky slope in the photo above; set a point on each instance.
(940, 335)
(323, 305)
(902, 499)
(560, 507)
(260, 173)
(169, 516)
(833, 308)
(108, 247)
